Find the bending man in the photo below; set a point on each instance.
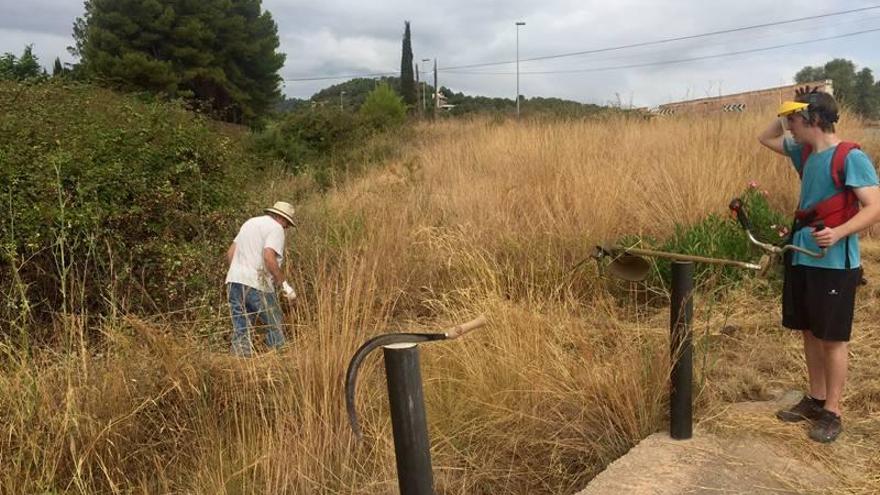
(255, 258)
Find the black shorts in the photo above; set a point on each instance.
(820, 300)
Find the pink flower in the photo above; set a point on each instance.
(765, 193)
(753, 184)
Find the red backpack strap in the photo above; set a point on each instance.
(806, 150)
(838, 163)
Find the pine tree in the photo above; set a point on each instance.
(854, 90)
(26, 67)
(407, 81)
(843, 73)
(222, 54)
(28, 64)
(383, 109)
(57, 69)
(867, 98)
(809, 74)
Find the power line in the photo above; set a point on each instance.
(791, 33)
(350, 76)
(675, 61)
(600, 50)
(670, 40)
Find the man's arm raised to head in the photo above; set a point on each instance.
(773, 136)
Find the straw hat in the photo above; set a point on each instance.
(285, 210)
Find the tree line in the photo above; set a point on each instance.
(223, 57)
(220, 55)
(856, 90)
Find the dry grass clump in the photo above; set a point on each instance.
(474, 217)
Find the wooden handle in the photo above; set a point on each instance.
(459, 330)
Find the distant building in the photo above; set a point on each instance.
(739, 102)
(441, 101)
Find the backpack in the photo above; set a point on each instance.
(837, 209)
(834, 210)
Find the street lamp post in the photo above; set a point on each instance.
(518, 24)
(424, 88)
(341, 94)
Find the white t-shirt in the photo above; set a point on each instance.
(248, 267)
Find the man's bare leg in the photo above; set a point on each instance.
(814, 352)
(835, 362)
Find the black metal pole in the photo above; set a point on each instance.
(411, 446)
(681, 312)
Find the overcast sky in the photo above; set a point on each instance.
(341, 37)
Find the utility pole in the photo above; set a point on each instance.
(436, 91)
(341, 94)
(425, 89)
(518, 24)
(418, 90)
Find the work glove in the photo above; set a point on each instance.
(288, 291)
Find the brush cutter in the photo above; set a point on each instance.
(738, 208)
(394, 338)
(628, 263)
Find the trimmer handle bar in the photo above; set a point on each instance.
(738, 208)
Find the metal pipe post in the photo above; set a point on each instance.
(681, 387)
(408, 422)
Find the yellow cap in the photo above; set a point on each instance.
(790, 107)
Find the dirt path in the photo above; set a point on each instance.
(710, 464)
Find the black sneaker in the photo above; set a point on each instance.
(807, 409)
(827, 427)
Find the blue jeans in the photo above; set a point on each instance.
(246, 304)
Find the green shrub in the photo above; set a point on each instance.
(719, 236)
(328, 142)
(104, 191)
(383, 109)
(309, 135)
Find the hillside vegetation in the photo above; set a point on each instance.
(104, 193)
(485, 216)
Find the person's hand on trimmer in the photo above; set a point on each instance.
(288, 291)
(826, 237)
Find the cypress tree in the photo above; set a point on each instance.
(407, 81)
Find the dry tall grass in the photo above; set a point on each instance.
(478, 217)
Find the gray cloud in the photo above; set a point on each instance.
(337, 37)
(39, 16)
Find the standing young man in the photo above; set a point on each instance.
(819, 293)
(254, 271)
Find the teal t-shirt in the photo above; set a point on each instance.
(817, 185)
